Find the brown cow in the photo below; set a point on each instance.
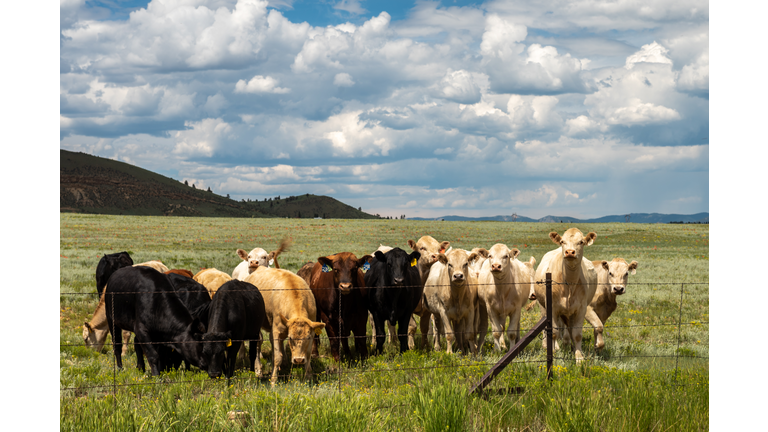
(290, 308)
(181, 272)
(339, 289)
(612, 280)
(574, 282)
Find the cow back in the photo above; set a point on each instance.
(107, 265)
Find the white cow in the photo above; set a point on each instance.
(258, 257)
(429, 248)
(612, 278)
(574, 282)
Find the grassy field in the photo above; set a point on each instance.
(652, 375)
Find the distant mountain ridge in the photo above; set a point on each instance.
(96, 185)
(633, 217)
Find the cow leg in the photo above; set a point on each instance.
(439, 332)
(277, 355)
(361, 345)
(117, 346)
(424, 327)
(497, 328)
(513, 331)
(138, 348)
(402, 324)
(392, 335)
(378, 323)
(332, 328)
(576, 327)
(372, 325)
(233, 352)
(450, 337)
(345, 343)
(411, 332)
(595, 322)
(482, 325)
(254, 351)
(126, 341)
(150, 350)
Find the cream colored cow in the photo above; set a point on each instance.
(212, 279)
(258, 257)
(503, 286)
(447, 295)
(290, 308)
(612, 278)
(574, 282)
(429, 248)
(95, 331)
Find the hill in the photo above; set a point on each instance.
(91, 184)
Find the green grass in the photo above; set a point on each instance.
(630, 385)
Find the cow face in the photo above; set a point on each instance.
(428, 248)
(214, 348)
(255, 258)
(457, 265)
(618, 274)
(499, 258)
(398, 264)
(573, 242)
(190, 344)
(344, 267)
(301, 332)
(94, 338)
(476, 258)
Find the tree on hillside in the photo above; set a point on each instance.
(193, 186)
(186, 183)
(209, 189)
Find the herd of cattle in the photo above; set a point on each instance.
(205, 318)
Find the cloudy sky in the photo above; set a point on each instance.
(422, 108)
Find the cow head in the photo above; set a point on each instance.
(94, 338)
(255, 258)
(457, 265)
(500, 258)
(428, 248)
(573, 242)
(476, 257)
(398, 263)
(618, 274)
(344, 267)
(301, 332)
(529, 276)
(214, 347)
(190, 344)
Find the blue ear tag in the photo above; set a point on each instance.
(327, 268)
(366, 266)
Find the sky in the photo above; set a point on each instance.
(425, 108)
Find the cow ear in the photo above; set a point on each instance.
(605, 264)
(272, 255)
(473, 256)
(514, 252)
(242, 254)
(445, 245)
(363, 260)
(325, 261)
(483, 252)
(633, 267)
(414, 256)
(283, 320)
(380, 256)
(442, 258)
(316, 325)
(532, 261)
(88, 326)
(555, 237)
(589, 239)
(412, 244)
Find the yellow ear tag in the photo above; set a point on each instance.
(229, 342)
(413, 263)
(318, 331)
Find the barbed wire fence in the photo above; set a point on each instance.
(338, 371)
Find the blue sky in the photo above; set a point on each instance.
(421, 108)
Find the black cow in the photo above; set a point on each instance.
(394, 290)
(108, 264)
(197, 301)
(143, 300)
(236, 314)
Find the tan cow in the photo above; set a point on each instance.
(212, 279)
(503, 288)
(258, 257)
(290, 308)
(95, 331)
(447, 295)
(429, 248)
(574, 282)
(612, 278)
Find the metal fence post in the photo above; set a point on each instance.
(548, 331)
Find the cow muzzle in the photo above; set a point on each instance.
(345, 288)
(253, 264)
(298, 360)
(458, 276)
(618, 290)
(570, 253)
(495, 268)
(399, 281)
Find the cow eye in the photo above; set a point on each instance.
(626, 274)
(610, 274)
(506, 256)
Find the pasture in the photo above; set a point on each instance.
(653, 373)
